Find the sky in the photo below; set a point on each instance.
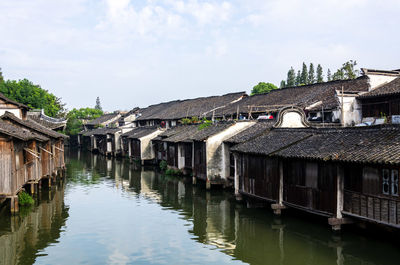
(136, 53)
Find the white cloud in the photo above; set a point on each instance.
(156, 50)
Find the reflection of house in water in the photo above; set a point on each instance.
(212, 218)
(26, 236)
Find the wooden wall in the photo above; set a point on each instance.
(259, 176)
(311, 185)
(200, 164)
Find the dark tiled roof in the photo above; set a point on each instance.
(184, 135)
(272, 141)
(139, 132)
(200, 107)
(6, 99)
(258, 128)
(101, 131)
(32, 125)
(132, 111)
(301, 96)
(380, 144)
(192, 132)
(391, 88)
(170, 132)
(20, 132)
(203, 134)
(102, 119)
(46, 121)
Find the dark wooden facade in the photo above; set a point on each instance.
(187, 152)
(310, 185)
(258, 176)
(380, 106)
(372, 192)
(135, 148)
(172, 155)
(200, 163)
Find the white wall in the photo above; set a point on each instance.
(217, 154)
(378, 80)
(146, 149)
(16, 112)
(292, 119)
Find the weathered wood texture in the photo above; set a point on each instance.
(375, 208)
(310, 185)
(135, 148)
(259, 176)
(172, 154)
(188, 154)
(200, 163)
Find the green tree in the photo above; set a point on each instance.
(349, 71)
(76, 117)
(262, 87)
(283, 84)
(320, 76)
(98, 105)
(329, 75)
(311, 74)
(304, 75)
(298, 78)
(25, 92)
(1, 76)
(291, 78)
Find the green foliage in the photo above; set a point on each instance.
(283, 84)
(25, 199)
(173, 172)
(98, 105)
(262, 87)
(192, 120)
(291, 78)
(320, 75)
(85, 113)
(205, 123)
(304, 75)
(75, 117)
(1, 77)
(25, 92)
(311, 74)
(163, 165)
(298, 78)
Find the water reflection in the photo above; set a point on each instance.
(125, 214)
(23, 237)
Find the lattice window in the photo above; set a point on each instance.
(395, 182)
(385, 181)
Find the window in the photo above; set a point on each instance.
(395, 182)
(390, 182)
(385, 181)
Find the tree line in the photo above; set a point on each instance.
(32, 95)
(35, 97)
(310, 75)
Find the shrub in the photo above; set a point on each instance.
(173, 172)
(205, 124)
(25, 199)
(163, 165)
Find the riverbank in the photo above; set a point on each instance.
(111, 213)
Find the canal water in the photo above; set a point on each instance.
(109, 212)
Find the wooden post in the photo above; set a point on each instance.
(208, 184)
(278, 207)
(238, 196)
(338, 220)
(14, 205)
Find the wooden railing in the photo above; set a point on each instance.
(380, 209)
